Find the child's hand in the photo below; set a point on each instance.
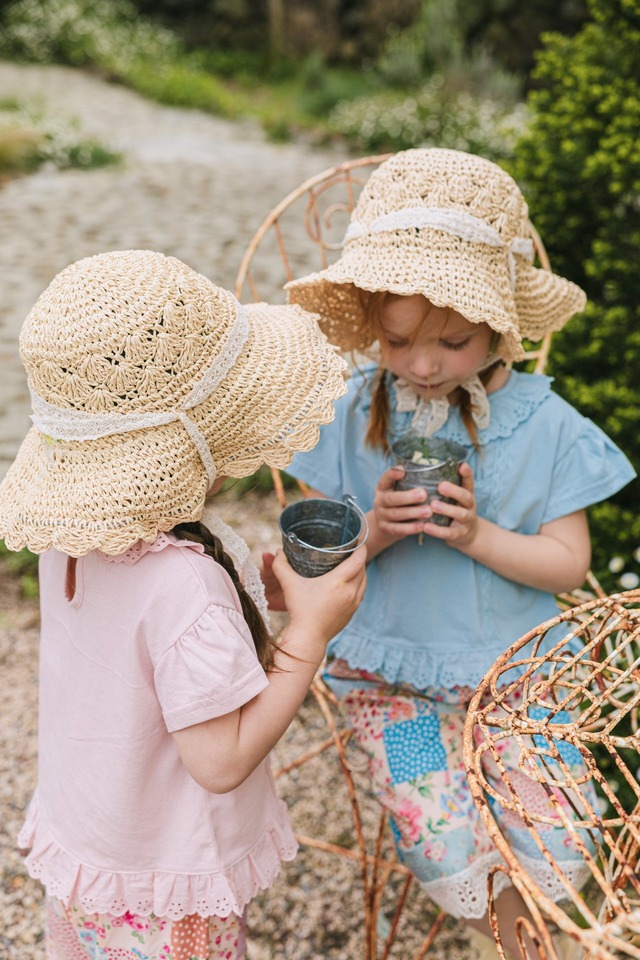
(397, 513)
(272, 588)
(319, 607)
(464, 518)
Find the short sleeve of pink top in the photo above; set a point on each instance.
(150, 644)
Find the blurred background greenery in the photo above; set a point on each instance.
(550, 89)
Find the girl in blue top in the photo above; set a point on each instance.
(436, 284)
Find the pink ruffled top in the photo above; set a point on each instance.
(153, 641)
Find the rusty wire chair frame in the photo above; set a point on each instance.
(601, 621)
(375, 871)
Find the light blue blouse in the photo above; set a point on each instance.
(432, 616)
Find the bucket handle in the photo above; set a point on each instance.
(351, 502)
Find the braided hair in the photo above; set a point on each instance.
(264, 642)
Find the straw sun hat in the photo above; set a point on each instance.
(147, 381)
(453, 227)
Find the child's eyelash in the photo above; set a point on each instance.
(455, 346)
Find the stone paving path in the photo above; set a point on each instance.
(191, 185)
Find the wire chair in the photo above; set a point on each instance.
(581, 695)
(301, 234)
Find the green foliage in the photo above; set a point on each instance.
(435, 92)
(111, 35)
(579, 165)
(436, 44)
(260, 482)
(105, 33)
(472, 106)
(433, 116)
(510, 29)
(29, 138)
(19, 150)
(181, 85)
(430, 44)
(322, 88)
(23, 565)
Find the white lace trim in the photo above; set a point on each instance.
(575, 873)
(465, 894)
(431, 415)
(456, 222)
(239, 551)
(67, 424)
(162, 892)
(142, 547)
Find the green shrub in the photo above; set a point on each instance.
(432, 117)
(24, 566)
(579, 165)
(180, 85)
(19, 150)
(105, 33)
(323, 88)
(111, 35)
(29, 138)
(260, 482)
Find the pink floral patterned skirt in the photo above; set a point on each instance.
(74, 935)
(414, 744)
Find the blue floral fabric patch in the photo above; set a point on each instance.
(414, 747)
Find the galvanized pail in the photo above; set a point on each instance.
(317, 533)
(448, 454)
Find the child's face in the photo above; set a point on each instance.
(434, 349)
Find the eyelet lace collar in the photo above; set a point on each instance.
(511, 405)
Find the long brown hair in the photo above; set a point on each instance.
(378, 428)
(264, 642)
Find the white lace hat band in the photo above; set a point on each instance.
(458, 223)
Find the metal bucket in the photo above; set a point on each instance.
(449, 456)
(318, 534)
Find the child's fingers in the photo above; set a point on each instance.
(463, 492)
(389, 477)
(395, 499)
(454, 491)
(281, 567)
(352, 567)
(267, 562)
(466, 476)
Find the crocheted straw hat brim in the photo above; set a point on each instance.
(453, 227)
(106, 493)
(542, 300)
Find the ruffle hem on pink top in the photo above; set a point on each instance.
(174, 895)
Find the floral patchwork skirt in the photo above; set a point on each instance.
(74, 935)
(414, 744)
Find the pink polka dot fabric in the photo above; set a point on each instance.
(74, 935)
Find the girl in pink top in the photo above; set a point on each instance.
(155, 820)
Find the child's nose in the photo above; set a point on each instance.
(424, 363)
